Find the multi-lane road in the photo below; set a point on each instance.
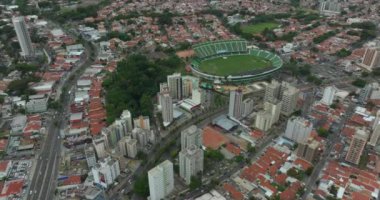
(44, 179)
(47, 163)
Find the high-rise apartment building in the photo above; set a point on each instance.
(298, 129)
(187, 87)
(284, 92)
(132, 148)
(128, 147)
(357, 146)
(141, 135)
(235, 104)
(175, 86)
(371, 90)
(289, 96)
(190, 162)
(263, 120)
(371, 59)
(126, 116)
(207, 98)
(161, 180)
(308, 150)
(89, 152)
(166, 107)
(142, 122)
(272, 91)
(247, 107)
(106, 171)
(269, 116)
(191, 136)
(100, 145)
(274, 109)
(23, 36)
(375, 136)
(329, 95)
(330, 7)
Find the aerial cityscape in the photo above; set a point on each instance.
(189, 99)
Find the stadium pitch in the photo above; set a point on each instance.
(233, 65)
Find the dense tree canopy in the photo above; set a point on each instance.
(135, 84)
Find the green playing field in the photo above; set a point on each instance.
(258, 28)
(233, 65)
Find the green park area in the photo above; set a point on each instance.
(259, 27)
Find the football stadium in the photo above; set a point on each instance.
(233, 61)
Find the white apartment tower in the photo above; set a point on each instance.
(190, 162)
(357, 146)
(283, 92)
(100, 145)
(274, 109)
(141, 136)
(175, 85)
(166, 107)
(235, 104)
(269, 116)
(272, 91)
(191, 136)
(263, 120)
(206, 98)
(329, 7)
(23, 36)
(247, 107)
(132, 148)
(329, 95)
(289, 96)
(142, 122)
(371, 59)
(127, 117)
(298, 129)
(106, 171)
(375, 130)
(90, 156)
(161, 180)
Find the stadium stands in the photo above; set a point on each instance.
(210, 50)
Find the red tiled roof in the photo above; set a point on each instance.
(78, 125)
(36, 117)
(303, 163)
(96, 128)
(235, 194)
(4, 165)
(267, 185)
(348, 132)
(358, 120)
(13, 187)
(32, 127)
(72, 180)
(257, 134)
(291, 192)
(3, 144)
(280, 178)
(360, 196)
(233, 149)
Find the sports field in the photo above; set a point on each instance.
(258, 28)
(233, 65)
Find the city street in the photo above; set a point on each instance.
(333, 139)
(45, 176)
